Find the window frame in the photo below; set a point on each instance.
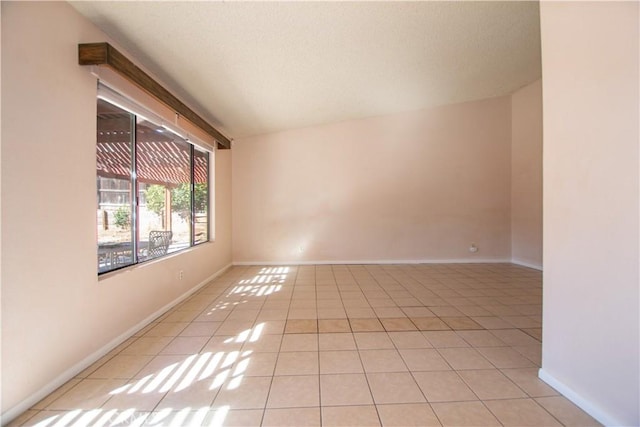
(144, 111)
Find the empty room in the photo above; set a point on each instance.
(320, 213)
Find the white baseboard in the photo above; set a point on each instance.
(587, 406)
(526, 264)
(70, 373)
(379, 261)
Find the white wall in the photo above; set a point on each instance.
(591, 194)
(526, 175)
(415, 186)
(55, 311)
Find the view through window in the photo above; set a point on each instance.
(152, 189)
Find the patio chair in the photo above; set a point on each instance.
(159, 241)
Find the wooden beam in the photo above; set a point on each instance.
(107, 55)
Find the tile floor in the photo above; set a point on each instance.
(360, 345)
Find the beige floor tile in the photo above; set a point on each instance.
(527, 379)
(515, 337)
(246, 315)
(44, 403)
(146, 346)
(193, 395)
(418, 311)
(446, 311)
(474, 310)
(505, 357)
(270, 327)
(185, 345)
(329, 300)
(256, 365)
(331, 313)
(491, 384)
(491, 322)
(424, 360)
(336, 341)
(531, 352)
(51, 418)
(408, 415)
(409, 339)
(396, 387)
(380, 302)
(534, 332)
(565, 411)
(234, 417)
(297, 363)
(292, 417)
(350, 416)
(444, 339)
(166, 329)
(520, 413)
(333, 325)
(430, 324)
(398, 324)
(480, 338)
(464, 414)
(177, 417)
(366, 325)
(501, 310)
(340, 362)
(223, 343)
(213, 315)
(301, 326)
(273, 314)
(344, 389)
(299, 342)
(244, 393)
(382, 361)
(87, 394)
(389, 312)
(135, 398)
(497, 307)
(162, 367)
(465, 358)
(443, 386)
(263, 343)
(23, 418)
(461, 323)
(294, 391)
(354, 300)
(522, 321)
(233, 327)
(359, 312)
(373, 340)
(302, 313)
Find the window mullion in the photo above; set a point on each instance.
(193, 196)
(134, 185)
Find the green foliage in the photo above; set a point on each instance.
(122, 218)
(154, 195)
(180, 199)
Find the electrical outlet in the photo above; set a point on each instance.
(181, 274)
(473, 248)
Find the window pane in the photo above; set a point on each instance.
(113, 179)
(163, 168)
(201, 195)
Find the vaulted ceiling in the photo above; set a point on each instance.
(259, 67)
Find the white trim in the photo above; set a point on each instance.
(584, 404)
(526, 264)
(377, 261)
(70, 373)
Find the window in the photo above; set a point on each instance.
(152, 188)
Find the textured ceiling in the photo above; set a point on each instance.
(252, 68)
